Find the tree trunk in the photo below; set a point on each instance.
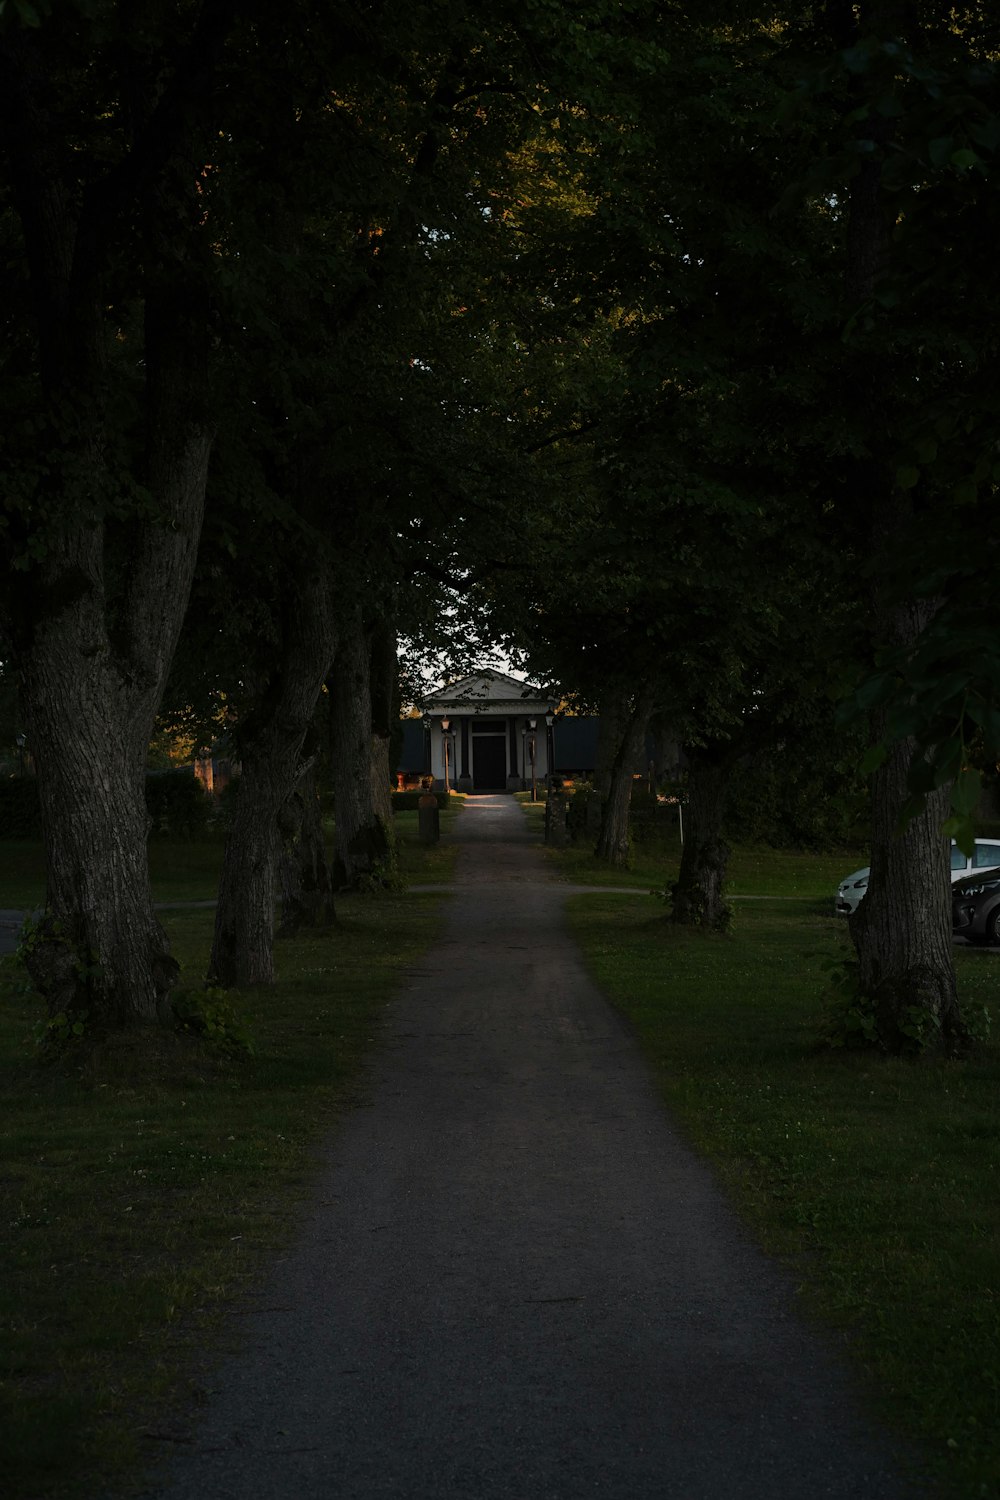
(611, 725)
(98, 948)
(303, 873)
(902, 931)
(91, 674)
(365, 853)
(384, 672)
(614, 843)
(270, 744)
(97, 586)
(696, 897)
(611, 721)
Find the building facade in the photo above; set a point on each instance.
(487, 733)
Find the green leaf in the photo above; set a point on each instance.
(964, 159)
(874, 756)
(966, 791)
(948, 760)
(907, 477)
(877, 690)
(962, 831)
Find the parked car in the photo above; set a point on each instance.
(851, 892)
(975, 907)
(852, 889)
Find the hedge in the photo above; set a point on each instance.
(407, 801)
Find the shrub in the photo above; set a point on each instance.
(407, 801)
(209, 1013)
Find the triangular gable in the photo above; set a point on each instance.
(486, 687)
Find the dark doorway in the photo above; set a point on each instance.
(489, 762)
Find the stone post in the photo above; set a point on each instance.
(556, 810)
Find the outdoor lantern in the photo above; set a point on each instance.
(550, 718)
(426, 721)
(446, 742)
(532, 723)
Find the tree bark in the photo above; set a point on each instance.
(611, 726)
(303, 872)
(364, 842)
(902, 931)
(696, 896)
(270, 744)
(614, 843)
(97, 588)
(384, 694)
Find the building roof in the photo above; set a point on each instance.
(487, 692)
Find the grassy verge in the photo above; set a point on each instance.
(752, 871)
(879, 1179)
(188, 869)
(143, 1191)
(423, 863)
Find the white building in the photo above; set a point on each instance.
(488, 733)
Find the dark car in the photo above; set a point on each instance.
(975, 907)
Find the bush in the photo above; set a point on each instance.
(408, 801)
(20, 815)
(789, 800)
(177, 803)
(209, 1014)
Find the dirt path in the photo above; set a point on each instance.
(516, 1281)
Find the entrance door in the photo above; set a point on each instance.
(489, 762)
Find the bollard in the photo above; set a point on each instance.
(428, 819)
(556, 810)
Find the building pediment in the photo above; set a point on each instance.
(487, 692)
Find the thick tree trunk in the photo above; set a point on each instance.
(696, 897)
(98, 586)
(365, 852)
(270, 746)
(98, 948)
(242, 946)
(902, 931)
(91, 677)
(614, 843)
(303, 873)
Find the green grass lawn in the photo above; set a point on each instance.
(143, 1192)
(879, 1179)
(420, 863)
(188, 869)
(752, 871)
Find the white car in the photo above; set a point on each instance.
(851, 890)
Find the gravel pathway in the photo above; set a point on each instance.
(516, 1283)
